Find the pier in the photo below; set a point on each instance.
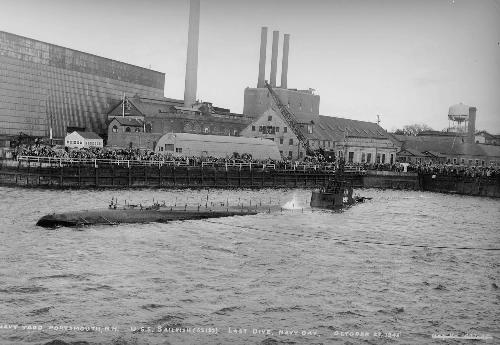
(61, 174)
(127, 174)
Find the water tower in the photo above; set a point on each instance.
(462, 120)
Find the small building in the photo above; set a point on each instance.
(80, 140)
(484, 137)
(199, 145)
(412, 156)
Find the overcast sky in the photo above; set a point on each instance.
(405, 60)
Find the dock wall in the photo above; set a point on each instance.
(476, 186)
(118, 176)
(114, 176)
(391, 180)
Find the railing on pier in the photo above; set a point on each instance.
(291, 166)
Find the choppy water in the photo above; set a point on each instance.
(375, 267)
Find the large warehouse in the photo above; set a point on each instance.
(45, 86)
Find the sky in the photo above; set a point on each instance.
(407, 61)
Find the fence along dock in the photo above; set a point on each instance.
(99, 173)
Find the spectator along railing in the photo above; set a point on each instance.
(289, 166)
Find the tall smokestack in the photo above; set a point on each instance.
(192, 54)
(284, 61)
(472, 125)
(274, 58)
(262, 60)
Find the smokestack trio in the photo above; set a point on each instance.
(274, 59)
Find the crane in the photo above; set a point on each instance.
(290, 120)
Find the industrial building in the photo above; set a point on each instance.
(186, 144)
(303, 103)
(360, 141)
(45, 87)
(139, 122)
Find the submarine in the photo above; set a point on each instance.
(337, 194)
(130, 214)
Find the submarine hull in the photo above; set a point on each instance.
(129, 216)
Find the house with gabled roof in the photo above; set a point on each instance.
(78, 139)
(483, 137)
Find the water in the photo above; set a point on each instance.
(366, 269)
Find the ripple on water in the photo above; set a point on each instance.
(362, 269)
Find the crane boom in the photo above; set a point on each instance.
(290, 119)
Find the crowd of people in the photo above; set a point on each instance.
(316, 162)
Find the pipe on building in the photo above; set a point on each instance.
(472, 124)
(274, 58)
(192, 54)
(262, 60)
(284, 61)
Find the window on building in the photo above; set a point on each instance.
(392, 158)
(290, 142)
(301, 154)
(290, 154)
(482, 163)
(253, 128)
(462, 161)
(137, 129)
(169, 147)
(127, 129)
(281, 140)
(477, 161)
(269, 118)
(363, 157)
(378, 158)
(383, 158)
(369, 158)
(285, 130)
(277, 129)
(114, 129)
(454, 161)
(149, 127)
(178, 149)
(351, 157)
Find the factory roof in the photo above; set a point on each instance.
(447, 146)
(337, 128)
(126, 121)
(149, 106)
(88, 135)
(219, 138)
(406, 152)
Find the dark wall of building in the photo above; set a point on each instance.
(176, 123)
(43, 86)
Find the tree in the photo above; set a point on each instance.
(413, 130)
